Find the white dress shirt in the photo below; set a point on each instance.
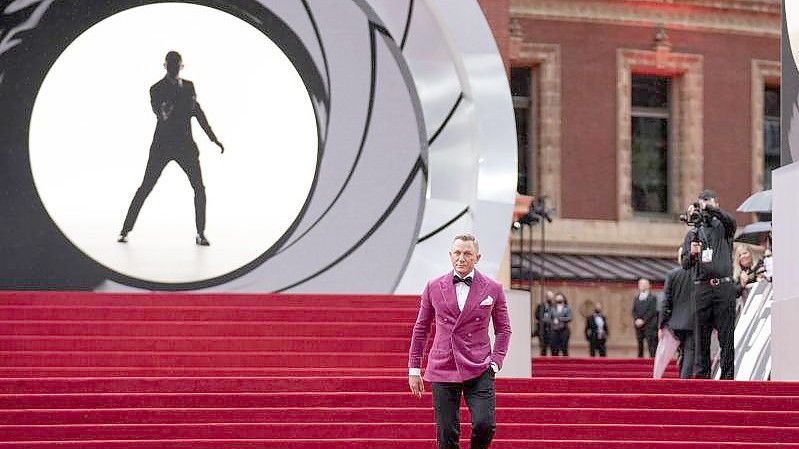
(462, 290)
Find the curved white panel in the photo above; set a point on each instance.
(473, 155)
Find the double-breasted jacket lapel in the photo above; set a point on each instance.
(448, 294)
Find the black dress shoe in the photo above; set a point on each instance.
(201, 240)
(123, 238)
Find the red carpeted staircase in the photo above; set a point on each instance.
(173, 371)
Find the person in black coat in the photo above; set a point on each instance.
(679, 312)
(645, 318)
(543, 322)
(596, 331)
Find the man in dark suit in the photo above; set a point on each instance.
(678, 313)
(596, 331)
(174, 103)
(461, 361)
(543, 322)
(645, 318)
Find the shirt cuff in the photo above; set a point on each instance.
(494, 367)
(414, 371)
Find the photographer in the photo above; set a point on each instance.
(709, 244)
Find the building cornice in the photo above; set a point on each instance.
(750, 17)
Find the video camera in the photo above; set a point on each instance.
(696, 218)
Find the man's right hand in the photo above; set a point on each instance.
(417, 385)
(639, 322)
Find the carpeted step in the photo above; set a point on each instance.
(204, 359)
(314, 301)
(560, 360)
(206, 328)
(271, 312)
(204, 344)
(384, 384)
(168, 371)
(420, 414)
(372, 399)
(361, 443)
(399, 430)
(600, 374)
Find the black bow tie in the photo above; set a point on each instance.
(466, 280)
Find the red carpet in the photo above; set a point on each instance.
(322, 372)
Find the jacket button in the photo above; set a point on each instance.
(477, 319)
(468, 335)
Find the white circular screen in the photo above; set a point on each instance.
(93, 124)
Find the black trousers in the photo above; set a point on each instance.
(596, 345)
(481, 399)
(544, 339)
(651, 338)
(686, 338)
(190, 163)
(715, 309)
(560, 341)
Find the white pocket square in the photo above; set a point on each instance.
(487, 302)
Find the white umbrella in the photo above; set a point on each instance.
(667, 347)
(757, 202)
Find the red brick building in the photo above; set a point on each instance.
(625, 111)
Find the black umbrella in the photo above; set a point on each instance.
(757, 202)
(754, 233)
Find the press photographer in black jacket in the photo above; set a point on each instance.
(709, 245)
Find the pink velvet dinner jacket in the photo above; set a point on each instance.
(461, 348)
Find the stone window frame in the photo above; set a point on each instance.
(686, 124)
(764, 73)
(546, 63)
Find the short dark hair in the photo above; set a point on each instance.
(173, 56)
(707, 194)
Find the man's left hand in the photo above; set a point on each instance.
(221, 147)
(417, 385)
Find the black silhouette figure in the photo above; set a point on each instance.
(174, 103)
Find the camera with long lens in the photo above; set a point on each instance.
(696, 218)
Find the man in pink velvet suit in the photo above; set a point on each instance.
(461, 361)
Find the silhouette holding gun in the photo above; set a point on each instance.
(174, 103)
